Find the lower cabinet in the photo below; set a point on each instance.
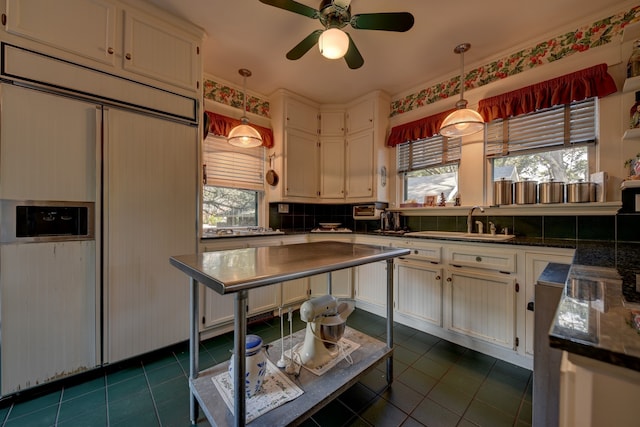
(481, 305)
(418, 292)
(371, 287)
(341, 286)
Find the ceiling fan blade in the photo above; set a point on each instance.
(303, 47)
(293, 6)
(352, 57)
(391, 21)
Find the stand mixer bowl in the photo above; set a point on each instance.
(331, 334)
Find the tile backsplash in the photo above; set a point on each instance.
(303, 217)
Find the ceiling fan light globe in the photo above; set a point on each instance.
(333, 43)
(244, 136)
(462, 122)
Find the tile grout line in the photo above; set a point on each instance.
(55, 423)
(153, 399)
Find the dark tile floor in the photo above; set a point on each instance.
(436, 383)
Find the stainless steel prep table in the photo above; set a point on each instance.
(237, 271)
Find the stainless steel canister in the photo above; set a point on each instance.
(524, 192)
(502, 192)
(581, 192)
(551, 192)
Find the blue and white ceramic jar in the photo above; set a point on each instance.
(255, 365)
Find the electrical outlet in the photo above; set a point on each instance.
(283, 208)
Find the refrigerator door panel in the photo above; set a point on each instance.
(47, 146)
(48, 306)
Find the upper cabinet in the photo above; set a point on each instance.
(82, 27)
(142, 44)
(158, 50)
(350, 158)
(301, 116)
(360, 116)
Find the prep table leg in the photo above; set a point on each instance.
(390, 319)
(194, 342)
(239, 362)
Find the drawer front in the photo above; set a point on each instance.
(421, 252)
(484, 258)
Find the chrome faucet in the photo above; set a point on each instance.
(470, 218)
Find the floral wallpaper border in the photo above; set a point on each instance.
(583, 38)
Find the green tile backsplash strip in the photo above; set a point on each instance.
(624, 227)
(559, 227)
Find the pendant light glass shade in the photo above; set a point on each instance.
(463, 121)
(243, 135)
(333, 43)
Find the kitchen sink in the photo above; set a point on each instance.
(461, 235)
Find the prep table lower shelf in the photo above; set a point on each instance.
(318, 390)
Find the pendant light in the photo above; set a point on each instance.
(463, 121)
(243, 135)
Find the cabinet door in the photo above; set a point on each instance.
(158, 50)
(371, 286)
(332, 168)
(332, 123)
(48, 149)
(294, 291)
(481, 305)
(263, 299)
(301, 116)
(149, 215)
(419, 292)
(301, 159)
(360, 117)
(359, 169)
(89, 30)
(340, 284)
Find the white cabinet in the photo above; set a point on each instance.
(332, 123)
(112, 36)
(360, 169)
(82, 27)
(158, 50)
(360, 116)
(301, 163)
(418, 292)
(301, 116)
(481, 305)
(371, 287)
(340, 284)
(332, 168)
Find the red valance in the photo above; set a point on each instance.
(221, 125)
(422, 128)
(582, 84)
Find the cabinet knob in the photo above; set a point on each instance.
(448, 279)
(128, 56)
(531, 306)
(110, 51)
(438, 277)
(478, 259)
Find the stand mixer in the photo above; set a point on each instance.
(326, 318)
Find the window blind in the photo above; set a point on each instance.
(229, 166)
(557, 127)
(423, 153)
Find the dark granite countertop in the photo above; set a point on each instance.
(599, 313)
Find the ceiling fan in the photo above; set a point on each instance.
(335, 15)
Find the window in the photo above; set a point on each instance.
(233, 185)
(550, 144)
(429, 167)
